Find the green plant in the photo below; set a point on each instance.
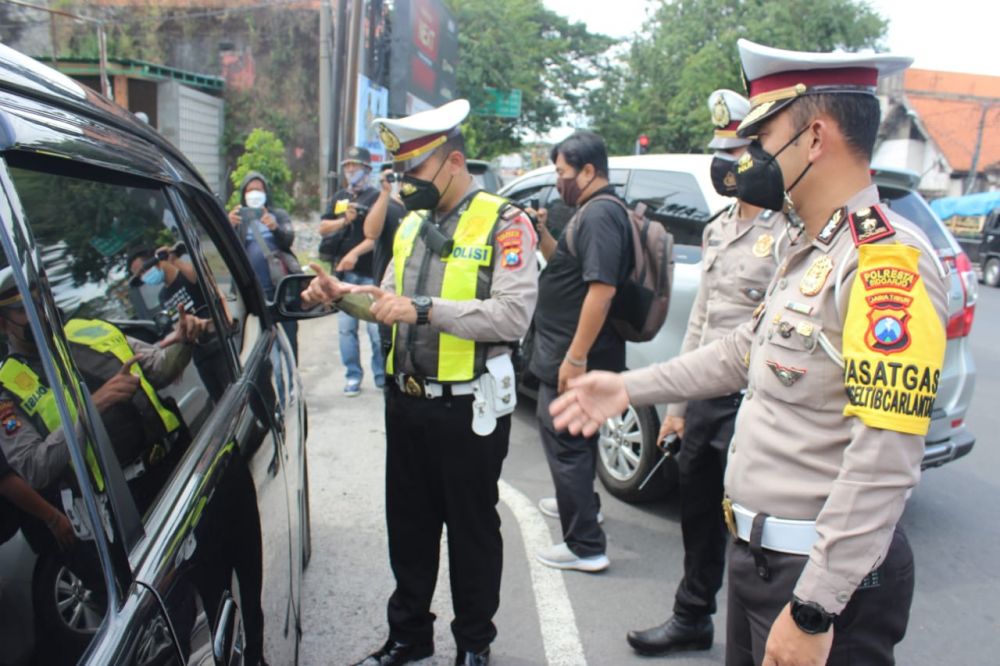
(265, 153)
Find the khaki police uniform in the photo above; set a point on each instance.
(841, 364)
(739, 258)
(450, 391)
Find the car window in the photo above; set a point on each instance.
(673, 198)
(912, 206)
(119, 269)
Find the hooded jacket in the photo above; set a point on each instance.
(278, 239)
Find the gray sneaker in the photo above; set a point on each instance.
(549, 507)
(560, 556)
(352, 389)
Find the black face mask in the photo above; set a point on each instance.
(420, 194)
(723, 175)
(759, 181)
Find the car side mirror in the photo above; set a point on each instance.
(288, 299)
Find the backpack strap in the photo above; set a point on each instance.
(574, 222)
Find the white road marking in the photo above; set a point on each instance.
(557, 622)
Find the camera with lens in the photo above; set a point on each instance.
(393, 177)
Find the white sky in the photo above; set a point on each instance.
(952, 35)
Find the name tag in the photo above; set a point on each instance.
(480, 254)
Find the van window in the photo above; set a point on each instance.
(120, 272)
(913, 207)
(674, 199)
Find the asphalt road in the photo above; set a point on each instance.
(950, 521)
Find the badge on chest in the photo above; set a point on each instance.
(814, 279)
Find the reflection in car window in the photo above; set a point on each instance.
(673, 198)
(119, 271)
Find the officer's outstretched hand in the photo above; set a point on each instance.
(121, 387)
(589, 402)
(323, 289)
(389, 308)
(787, 645)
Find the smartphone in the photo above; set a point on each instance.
(535, 204)
(248, 214)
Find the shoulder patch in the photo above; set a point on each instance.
(869, 225)
(511, 244)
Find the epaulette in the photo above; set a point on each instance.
(833, 226)
(869, 225)
(510, 211)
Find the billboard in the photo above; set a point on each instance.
(424, 56)
(373, 102)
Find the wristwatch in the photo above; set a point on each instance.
(423, 306)
(810, 617)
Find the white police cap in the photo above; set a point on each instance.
(774, 78)
(412, 139)
(728, 108)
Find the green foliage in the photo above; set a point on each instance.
(521, 44)
(264, 152)
(687, 49)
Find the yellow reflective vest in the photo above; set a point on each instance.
(454, 278)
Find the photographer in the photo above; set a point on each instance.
(350, 254)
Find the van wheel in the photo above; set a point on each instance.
(69, 612)
(991, 272)
(627, 452)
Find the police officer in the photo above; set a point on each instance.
(841, 364)
(741, 247)
(460, 290)
(123, 374)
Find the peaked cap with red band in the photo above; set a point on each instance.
(728, 108)
(412, 139)
(775, 77)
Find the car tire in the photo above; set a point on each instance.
(66, 632)
(627, 452)
(991, 272)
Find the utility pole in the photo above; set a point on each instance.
(325, 107)
(971, 180)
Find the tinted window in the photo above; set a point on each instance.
(118, 268)
(912, 206)
(674, 199)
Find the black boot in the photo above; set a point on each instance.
(473, 658)
(394, 653)
(675, 635)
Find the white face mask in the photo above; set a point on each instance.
(255, 198)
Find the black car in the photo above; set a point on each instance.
(205, 564)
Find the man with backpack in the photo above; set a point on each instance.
(573, 334)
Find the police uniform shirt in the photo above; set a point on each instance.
(802, 449)
(738, 260)
(503, 317)
(41, 460)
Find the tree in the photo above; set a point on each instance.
(265, 153)
(519, 44)
(687, 49)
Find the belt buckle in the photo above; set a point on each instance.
(413, 387)
(729, 517)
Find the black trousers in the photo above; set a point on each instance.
(573, 463)
(701, 463)
(864, 634)
(438, 472)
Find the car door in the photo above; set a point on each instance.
(203, 533)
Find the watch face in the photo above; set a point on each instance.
(422, 301)
(809, 618)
